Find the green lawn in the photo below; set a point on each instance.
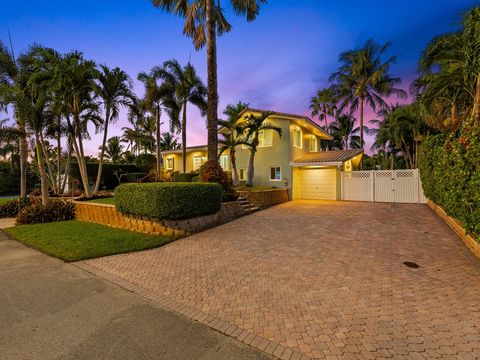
(108, 200)
(77, 240)
(8, 198)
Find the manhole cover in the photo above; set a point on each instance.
(411, 264)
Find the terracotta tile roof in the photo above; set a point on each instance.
(328, 156)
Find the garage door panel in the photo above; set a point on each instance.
(318, 184)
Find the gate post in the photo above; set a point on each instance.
(372, 186)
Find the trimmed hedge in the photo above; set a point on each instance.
(169, 201)
(184, 177)
(450, 172)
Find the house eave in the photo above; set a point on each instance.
(317, 163)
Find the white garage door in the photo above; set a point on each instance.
(318, 184)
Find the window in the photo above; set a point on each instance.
(297, 137)
(275, 173)
(198, 162)
(243, 174)
(170, 163)
(313, 144)
(265, 137)
(224, 162)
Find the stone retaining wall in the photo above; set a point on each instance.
(469, 241)
(265, 198)
(106, 214)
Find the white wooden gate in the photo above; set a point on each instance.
(402, 186)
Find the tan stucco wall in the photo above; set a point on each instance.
(281, 153)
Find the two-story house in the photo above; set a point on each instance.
(294, 160)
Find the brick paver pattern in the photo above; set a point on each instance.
(326, 279)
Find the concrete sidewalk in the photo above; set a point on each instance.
(53, 310)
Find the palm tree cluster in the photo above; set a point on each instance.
(204, 21)
(56, 98)
(448, 88)
(238, 130)
(446, 94)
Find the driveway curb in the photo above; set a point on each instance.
(246, 337)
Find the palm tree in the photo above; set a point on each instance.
(169, 142)
(400, 130)
(449, 82)
(11, 93)
(157, 97)
(324, 104)
(115, 90)
(364, 79)
(203, 22)
(343, 129)
(252, 127)
(75, 81)
(187, 88)
(232, 135)
(113, 150)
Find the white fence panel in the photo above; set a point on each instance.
(406, 186)
(384, 186)
(358, 186)
(403, 186)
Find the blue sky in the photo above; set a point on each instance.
(276, 62)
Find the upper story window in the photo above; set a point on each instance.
(224, 162)
(170, 163)
(265, 137)
(297, 137)
(198, 162)
(313, 144)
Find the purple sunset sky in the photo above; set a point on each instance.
(277, 62)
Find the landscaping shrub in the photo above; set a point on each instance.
(133, 177)
(196, 178)
(168, 200)
(146, 162)
(450, 172)
(13, 207)
(108, 181)
(211, 171)
(55, 210)
(184, 177)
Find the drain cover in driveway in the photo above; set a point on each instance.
(411, 264)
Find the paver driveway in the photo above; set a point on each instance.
(325, 279)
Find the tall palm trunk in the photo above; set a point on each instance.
(78, 148)
(158, 137)
(233, 160)
(212, 103)
(251, 168)
(59, 163)
(361, 120)
(476, 102)
(184, 137)
(67, 165)
(102, 151)
(23, 149)
(362, 99)
(41, 170)
(50, 170)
